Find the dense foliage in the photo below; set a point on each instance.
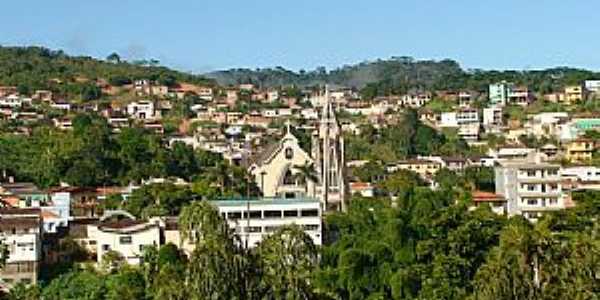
(425, 246)
(91, 155)
(405, 137)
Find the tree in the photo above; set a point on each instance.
(85, 285)
(112, 260)
(288, 259)
(114, 58)
(217, 267)
(127, 284)
(306, 173)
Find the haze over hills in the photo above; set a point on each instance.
(399, 74)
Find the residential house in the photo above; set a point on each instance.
(496, 202)
(142, 110)
(424, 167)
(415, 100)
(592, 86)
(581, 177)
(11, 101)
(123, 234)
(574, 94)
(520, 96)
(580, 149)
(363, 189)
(21, 232)
(83, 201)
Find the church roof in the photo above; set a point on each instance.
(264, 155)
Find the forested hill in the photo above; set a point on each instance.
(33, 68)
(400, 69)
(400, 74)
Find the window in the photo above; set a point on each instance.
(552, 172)
(553, 201)
(272, 214)
(125, 240)
(271, 228)
(532, 201)
(531, 187)
(254, 214)
(92, 243)
(253, 229)
(310, 213)
(289, 178)
(531, 173)
(311, 227)
(289, 153)
(234, 215)
(290, 213)
(105, 247)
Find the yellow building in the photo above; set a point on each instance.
(574, 94)
(425, 168)
(579, 150)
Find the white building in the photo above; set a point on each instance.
(582, 177)
(492, 116)
(21, 231)
(127, 237)
(205, 93)
(530, 188)
(141, 110)
(253, 220)
(592, 86)
(415, 100)
(12, 101)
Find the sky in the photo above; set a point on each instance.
(203, 36)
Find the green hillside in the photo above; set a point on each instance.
(34, 68)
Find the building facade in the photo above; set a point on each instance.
(21, 231)
(255, 219)
(530, 188)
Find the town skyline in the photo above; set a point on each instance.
(215, 36)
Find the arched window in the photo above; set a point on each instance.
(288, 178)
(289, 153)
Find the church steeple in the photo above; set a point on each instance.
(329, 155)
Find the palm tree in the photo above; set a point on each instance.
(306, 173)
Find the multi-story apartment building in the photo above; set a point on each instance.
(21, 231)
(498, 93)
(519, 96)
(531, 188)
(254, 219)
(503, 93)
(579, 150)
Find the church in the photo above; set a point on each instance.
(285, 170)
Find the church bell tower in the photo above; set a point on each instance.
(328, 151)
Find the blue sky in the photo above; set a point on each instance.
(206, 35)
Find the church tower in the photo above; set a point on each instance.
(328, 153)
